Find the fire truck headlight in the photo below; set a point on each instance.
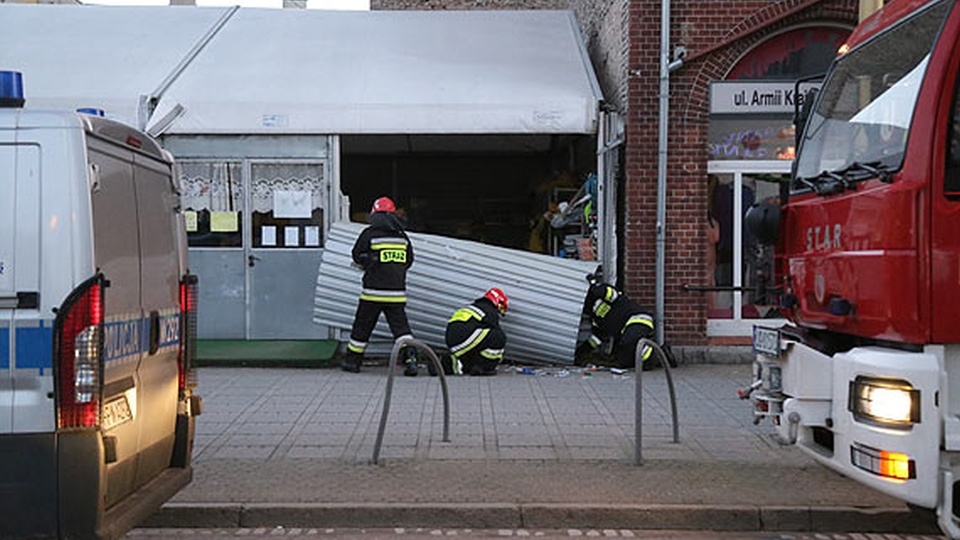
(886, 402)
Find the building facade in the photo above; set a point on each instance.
(728, 141)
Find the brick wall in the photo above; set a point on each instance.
(604, 26)
(716, 33)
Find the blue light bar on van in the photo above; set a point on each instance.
(11, 89)
(91, 111)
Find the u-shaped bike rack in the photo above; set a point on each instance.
(399, 344)
(638, 397)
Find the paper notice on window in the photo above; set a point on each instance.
(291, 204)
(190, 220)
(291, 236)
(312, 236)
(268, 235)
(224, 222)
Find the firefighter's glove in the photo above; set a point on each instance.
(587, 353)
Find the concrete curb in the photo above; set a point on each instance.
(542, 516)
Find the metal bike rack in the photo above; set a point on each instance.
(394, 354)
(638, 397)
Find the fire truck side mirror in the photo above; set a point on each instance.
(763, 220)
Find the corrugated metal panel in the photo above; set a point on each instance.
(546, 293)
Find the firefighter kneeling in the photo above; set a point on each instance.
(474, 337)
(614, 316)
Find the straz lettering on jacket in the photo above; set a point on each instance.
(601, 309)
(390, 250)
(823, 238)
(603, 305)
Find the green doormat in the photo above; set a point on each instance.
(266, 353)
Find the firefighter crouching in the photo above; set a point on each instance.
(474, 337)
(616, 317)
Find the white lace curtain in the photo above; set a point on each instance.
(218, 186)
(271, 177)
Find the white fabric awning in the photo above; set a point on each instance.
(93, 56)
(308, 71)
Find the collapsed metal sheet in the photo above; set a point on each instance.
(546, 293)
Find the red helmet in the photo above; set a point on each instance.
(383, 204)
(499, 299)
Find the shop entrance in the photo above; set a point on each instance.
(502, 190)
(256, 230)
(741, 291)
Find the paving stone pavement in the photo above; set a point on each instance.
(294, 447)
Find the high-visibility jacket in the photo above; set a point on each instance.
(470, 330)
(385, 253)
(612, 312)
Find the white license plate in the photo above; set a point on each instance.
(766, 341)
(116, 412)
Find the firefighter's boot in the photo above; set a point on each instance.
(409, 356)
(351, 362)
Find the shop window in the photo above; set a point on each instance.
(287, 205)
(212, 199)
(737, 138)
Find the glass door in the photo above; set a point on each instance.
(741, 268)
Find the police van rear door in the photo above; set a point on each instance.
(157, 210)
(117, 246)
(25, 339)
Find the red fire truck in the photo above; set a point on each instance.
(866, 376)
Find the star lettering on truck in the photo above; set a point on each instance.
(823, 238)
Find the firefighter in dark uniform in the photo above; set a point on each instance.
(474, 337)
(616, 317)
(385, 253)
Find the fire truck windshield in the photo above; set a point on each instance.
(860, 123)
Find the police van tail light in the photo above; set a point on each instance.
(188, 332)
(78, 356)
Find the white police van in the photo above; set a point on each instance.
(97, 325)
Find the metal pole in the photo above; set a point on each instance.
(394, 354)
(638, 407)
(662, 165)
(148, 103)
(602, 209)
